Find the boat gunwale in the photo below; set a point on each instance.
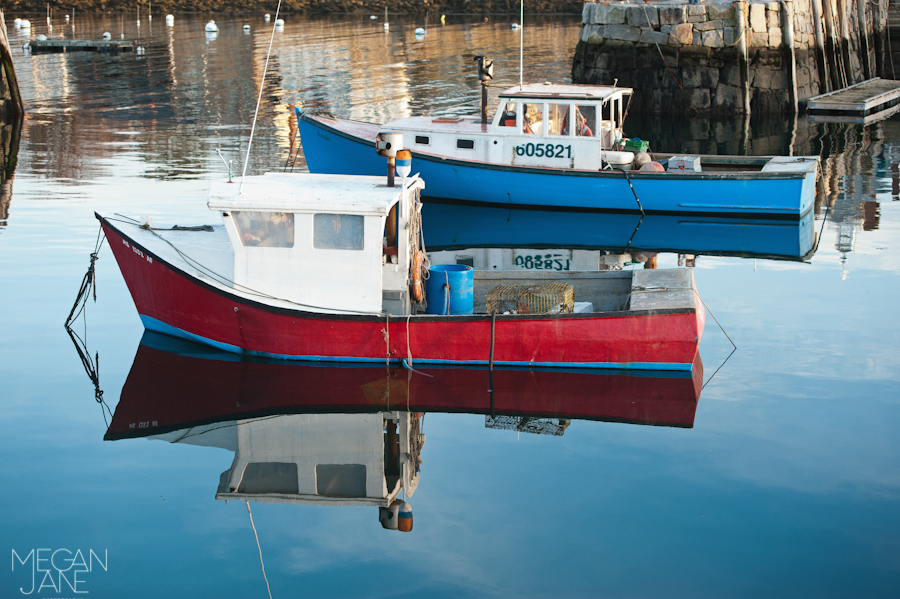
(308, 314)
(736, 175)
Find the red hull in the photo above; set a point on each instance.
(166, 391)
(173, 302)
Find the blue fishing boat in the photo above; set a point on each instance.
(456, 227)
(563, 146)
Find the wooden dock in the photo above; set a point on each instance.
(61, 46)
(865, 102)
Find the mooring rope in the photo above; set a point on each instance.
(261, 563)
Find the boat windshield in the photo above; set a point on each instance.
(533, 120)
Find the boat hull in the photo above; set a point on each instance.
(174, 385)
(172, 301)
(332, 146)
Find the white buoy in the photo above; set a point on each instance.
(246, 27)
(170, 19)
(387, 26)
(420, 31)
(121, 36)
(42, 38)
(26, 24)
(67, 17)
(373, 17)
(267, 17)
(515, 25)
(107, 35)
(211, 26)
(279, 22)
(17, 23)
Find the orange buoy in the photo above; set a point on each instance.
(416, 276)
(652, 167)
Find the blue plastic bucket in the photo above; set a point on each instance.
(448, 289)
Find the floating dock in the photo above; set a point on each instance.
(60, 46)
(866, 102)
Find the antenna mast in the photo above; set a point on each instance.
(259, 99)
(521, 34)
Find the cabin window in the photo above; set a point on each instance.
(585, 121)
(558, 119)
(422, 140)
(341, 480)
(338, 231)
(465, 144)
(269, 477)
(508, 117)
(265, 229)
(533, 118)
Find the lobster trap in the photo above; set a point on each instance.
(551, 298)
(528, 424)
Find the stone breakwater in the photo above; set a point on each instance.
(723, 58)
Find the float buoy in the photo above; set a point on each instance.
(652, 167)
(416, 286)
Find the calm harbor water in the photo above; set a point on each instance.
(780, 481)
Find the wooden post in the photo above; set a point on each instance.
(824, 80)
(787, 24)
(6, 63)
(844, 19)
(880, 32)
(833, 57)
(741, 12)
(862, 31)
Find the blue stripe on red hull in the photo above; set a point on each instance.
(152, 324)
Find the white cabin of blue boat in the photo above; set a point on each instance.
(531, 127)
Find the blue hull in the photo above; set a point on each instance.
(455, 227)
(772, 195)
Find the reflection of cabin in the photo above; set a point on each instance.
(330, 242)
(321, 459)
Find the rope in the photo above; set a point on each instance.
(91, 366)
(262, 85)
(733, 346)
(446, 293)
(253, 526)
(408, 362)
(633, 192)
(697, 112)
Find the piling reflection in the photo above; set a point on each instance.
(10, 135)
(318, 434)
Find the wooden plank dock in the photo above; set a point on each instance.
(865, 102)
(60, 46)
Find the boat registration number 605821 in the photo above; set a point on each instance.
(544, 150)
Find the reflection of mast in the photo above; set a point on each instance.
(317, 459)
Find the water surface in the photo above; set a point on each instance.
(783, 481)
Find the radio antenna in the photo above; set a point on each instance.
(259, 99)
(521, 37)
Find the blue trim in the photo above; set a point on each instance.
(152, 324)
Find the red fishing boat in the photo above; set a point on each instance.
(331, 268)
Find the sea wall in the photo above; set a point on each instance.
(726, 58)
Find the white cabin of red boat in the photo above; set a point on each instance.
(531, 128)
(317, 240)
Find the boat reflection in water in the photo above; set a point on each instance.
(460, 227)
(308, 433)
